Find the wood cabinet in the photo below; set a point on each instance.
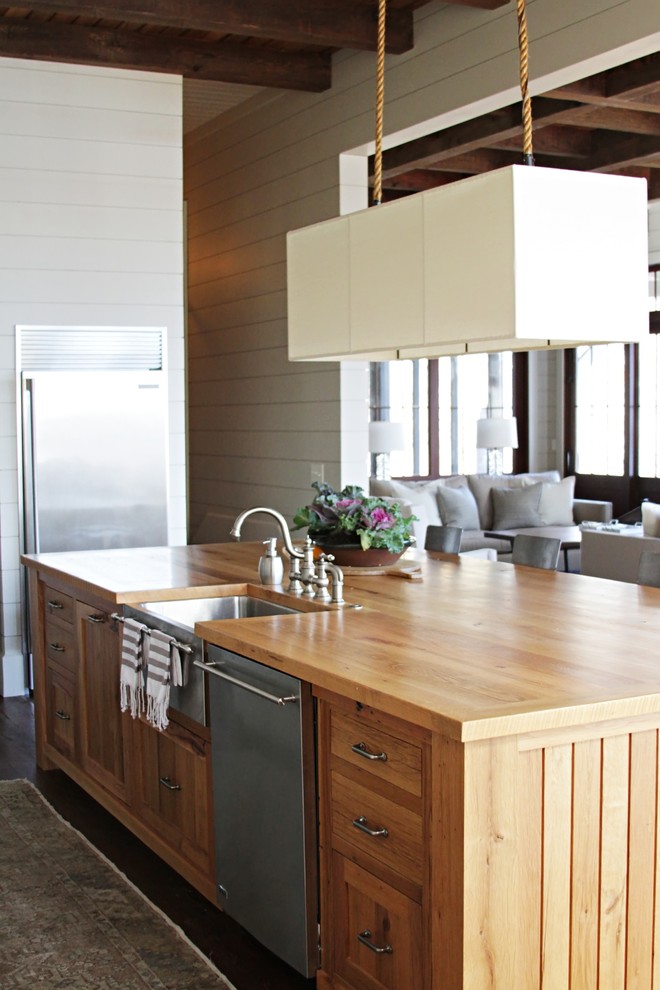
(105, 731)
(158, 784)
(373, 840)
(62, 712)
(173, 790)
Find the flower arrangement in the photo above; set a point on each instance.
(351, 517)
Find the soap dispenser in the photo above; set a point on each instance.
(271, 566)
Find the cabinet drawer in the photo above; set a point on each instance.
(61, 711)
(58, 606)
(61, 646)
(358, 811)
(376, 931)
(356, 739)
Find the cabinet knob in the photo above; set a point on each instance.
(363, 825)
(361, 750)
(365, 937)
(166, 782)
(63, 715)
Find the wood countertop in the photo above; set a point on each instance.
(475, 649)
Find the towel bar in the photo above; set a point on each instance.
(180, 646)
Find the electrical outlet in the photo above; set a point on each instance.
(316, 472)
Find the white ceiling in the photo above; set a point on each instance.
(202, 100)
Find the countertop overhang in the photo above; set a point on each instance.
(475, 649)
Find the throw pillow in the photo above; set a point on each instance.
(651, 518)
(422, 496)
(556, 505)
(516, 508)
(482, 485)
(458, 507)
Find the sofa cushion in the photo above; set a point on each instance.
(482, 485)
(458, 507)
(556, 505)
(515, 508)
(421, 496)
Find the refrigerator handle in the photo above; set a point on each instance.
(31, 532)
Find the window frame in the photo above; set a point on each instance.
(380, 403)
(628, 490)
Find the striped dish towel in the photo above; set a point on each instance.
(131, 681)
(163, 669)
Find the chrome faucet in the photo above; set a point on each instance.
(302, 580)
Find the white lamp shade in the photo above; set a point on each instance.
(385, 437)
(495, 433)
(514, 259)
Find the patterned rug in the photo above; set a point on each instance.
(70, 921)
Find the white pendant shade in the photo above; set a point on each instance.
(515, 259)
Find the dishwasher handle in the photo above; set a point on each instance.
(211, 669)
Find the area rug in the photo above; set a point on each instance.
(69, 919)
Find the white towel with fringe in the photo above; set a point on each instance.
(163, 669)
(131, 677)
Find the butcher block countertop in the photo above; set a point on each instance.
(474, 649)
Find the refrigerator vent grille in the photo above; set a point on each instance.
(91, 348)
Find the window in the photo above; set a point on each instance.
(600, 409)
(612, 415)
(439, 402)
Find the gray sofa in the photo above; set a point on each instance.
(480, 502)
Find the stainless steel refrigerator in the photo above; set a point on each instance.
(95, 470)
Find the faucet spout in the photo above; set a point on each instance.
(235, 531)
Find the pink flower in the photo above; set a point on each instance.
(346, 503)
(381, 519)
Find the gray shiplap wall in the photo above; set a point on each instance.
(257, 422)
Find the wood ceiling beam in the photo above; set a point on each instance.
(615, 155)
(219, 61)
(553, 140)
(627, 86)
(472, 135)
(336, 24)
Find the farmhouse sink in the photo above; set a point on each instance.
(186, 612)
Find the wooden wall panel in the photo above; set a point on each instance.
(596, 904)
(585, 876)
(556, 903)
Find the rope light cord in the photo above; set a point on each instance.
(380, 102)
(523, 48)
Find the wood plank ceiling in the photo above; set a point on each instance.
(609, 122)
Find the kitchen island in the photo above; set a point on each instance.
(517, 711)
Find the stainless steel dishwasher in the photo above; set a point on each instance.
(264, 799)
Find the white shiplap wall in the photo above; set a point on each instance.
(272, 164)
(91, 234)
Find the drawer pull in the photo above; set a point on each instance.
(53, 605)
(96, 618)
(166, 782)
(363, 825)
(365, 936)
(56, 648)
(63, 715)
(361, 750)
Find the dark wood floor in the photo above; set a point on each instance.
(242, 960)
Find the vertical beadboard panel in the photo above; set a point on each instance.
(614, 862)
(585, 873)
(91, 234)
(556, 903)
(641, 854)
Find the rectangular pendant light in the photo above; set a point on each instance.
(515, 259)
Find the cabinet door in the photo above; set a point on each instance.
(104, 729)
(376, 931)
(173, 790)
(61, 712)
